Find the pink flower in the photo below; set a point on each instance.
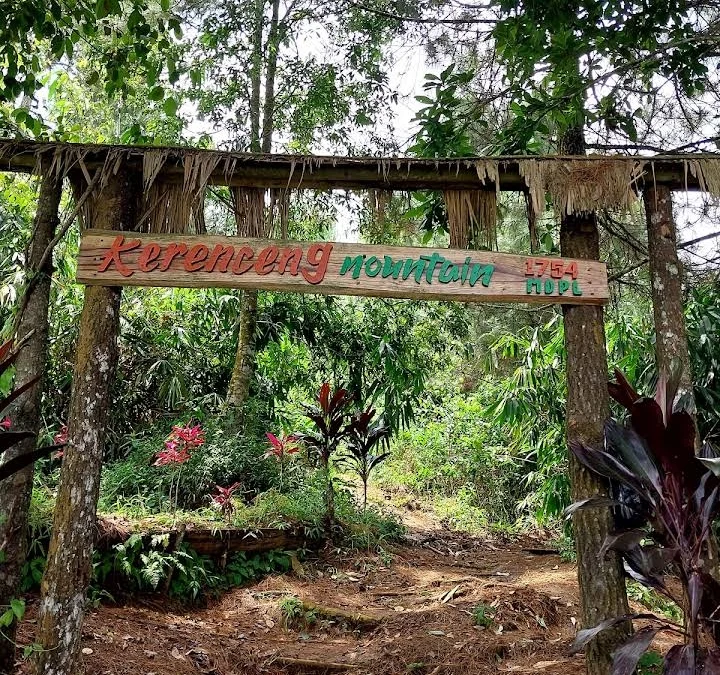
(279, 447)
(6, 423)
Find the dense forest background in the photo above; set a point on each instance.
(473, 395)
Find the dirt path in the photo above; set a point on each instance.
(421, 629)
(419, 598)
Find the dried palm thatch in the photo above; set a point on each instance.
(707, 172)
(177, 208)
(471, 218)
(87, 189)
(532, 171)
(472, 214)
(379, 203)
(249, 211)
(581, 185)
(261, 213)
(488, 173)
(278, 213)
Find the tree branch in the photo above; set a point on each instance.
(398, 17)
(683, 245)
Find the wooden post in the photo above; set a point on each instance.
(602, 583)
(25, 413)
(671, 346)
(62, 603)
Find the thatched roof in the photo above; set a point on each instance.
(175, 179)
(536, 174)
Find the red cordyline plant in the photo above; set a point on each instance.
(673, 499)
(363, 441)
(280, 449)
(223, 499)
(178, 447)
(61, 438)
(8, 439)
(330, 418)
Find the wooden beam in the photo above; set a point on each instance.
(330, 268)
(217, 542)
(339, 173)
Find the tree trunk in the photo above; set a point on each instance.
(329, 503)
(62, 603)
(602, 584)
(273, 45)
(244, 366)
(244, 369)
(671, 346)
(25, 413)
(256, 75)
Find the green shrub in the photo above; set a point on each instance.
(650, 663)
(455, 449)
(143, 564)
(305, 506)
(483, 615)
(295, 615)
(40, 518)
(226, 457)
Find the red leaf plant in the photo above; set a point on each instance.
(223, 499)
(673, 496)
(280, 448)
(178, 447)
(332, 424)
(61, 438)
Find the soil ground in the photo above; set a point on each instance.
(421, 594)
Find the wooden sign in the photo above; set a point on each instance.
(126, 259)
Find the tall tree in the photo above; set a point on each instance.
(35, 33)
(666, 272)
(262, 121)
(25, 414)
(558, 58)
(253, 78)
(69, 564)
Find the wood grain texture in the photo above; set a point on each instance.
(372, 265)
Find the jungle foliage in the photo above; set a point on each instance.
(471, 399)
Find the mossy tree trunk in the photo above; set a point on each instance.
(25, 413)
(64, 585)
(244, 368)
(671, 346)
(671, 343)
(602, 584)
